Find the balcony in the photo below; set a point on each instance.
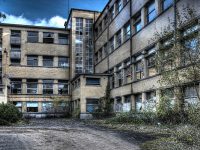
(15, 40)
(14, 54)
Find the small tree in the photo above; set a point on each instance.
(178, 58)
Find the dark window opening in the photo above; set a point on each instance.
(48, 37)
(92, 81)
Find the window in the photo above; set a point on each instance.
(118, 39)
(190, 94)
(48, 37)
(16, 86)
(120, 77)
(100, 54)
(151, 62)
(96, 57)
(91, 105)
(92, 81)
(112, 13)
(32, 86)
(15, 54)
(32, 106)
(128, 72)
(118, 6)
(166, 4)
(15, 38)
(105, 20)
(18, 105)
(105, 49)
(100, 27)
(138, 23)
(63, 87)
(112, 46)
(127, 31)
(138, 102)
(151, 12)
(47, 61)
(47, 86)
(32, 60)
(32, 37)
(63, 62)
(63, 38)
(139, 69)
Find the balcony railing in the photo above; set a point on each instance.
(15, 54)
(15, 40)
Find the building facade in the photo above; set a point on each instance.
(75, 64)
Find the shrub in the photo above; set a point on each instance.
(133, 117)
(9, 113)
(194, 116)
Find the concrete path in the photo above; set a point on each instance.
(62, 134)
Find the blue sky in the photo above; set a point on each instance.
(44, 12)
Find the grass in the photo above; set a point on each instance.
(157, 137)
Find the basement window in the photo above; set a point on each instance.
(91, 105)
(48, 37)
(92, 81)
(32, 106)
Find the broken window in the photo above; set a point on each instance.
(48, 37)
(63, 62)
(47, 86)
(16, 86)
(91, 105)
(47, 61)
(63, 87)
(32, 106)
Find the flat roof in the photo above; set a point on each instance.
(32, 26)
(77, 9)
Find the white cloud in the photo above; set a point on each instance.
(55, 21)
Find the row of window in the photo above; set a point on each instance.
(32, 86)
(116, 41)
(114, 10)
(33, 37)
(46, 107)
(143, 65)
(150, 102)
(63, 62)
(151, 14)
(118, 38)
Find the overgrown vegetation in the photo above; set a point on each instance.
(9, 114)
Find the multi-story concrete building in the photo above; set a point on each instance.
(76, 62)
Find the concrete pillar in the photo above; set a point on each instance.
(115, 102)
(133, 102)
(143, 16)
(133, 73)
(24, 107)
(56, 38)
(115, 77)
(144, 98)
(158, 6)
(40, 61)
(179, 100)
(23, 47)
(158, 96)
(40, 38)
(24, 86)
(145, 69)
(55, 61)
(40, 87)
(83, 105)
(123, 101)
(55, 87)
(39, 106)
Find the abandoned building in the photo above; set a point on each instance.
(42, 64)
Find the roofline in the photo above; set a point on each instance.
(32, 26)
(102, 11)
(77, 9)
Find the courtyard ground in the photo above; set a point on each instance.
(64, 134)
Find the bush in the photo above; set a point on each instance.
(9, 113)
(133, 117)
(194, 116)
